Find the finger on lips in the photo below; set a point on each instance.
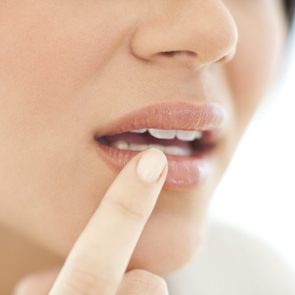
(99, 258)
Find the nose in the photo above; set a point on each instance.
(193, 33)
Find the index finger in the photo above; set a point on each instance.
(100, 256)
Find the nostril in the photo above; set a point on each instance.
(169, 53)
(183, 52)
(190, 53)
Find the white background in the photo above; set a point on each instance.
(257, 192)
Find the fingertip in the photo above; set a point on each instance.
(151, 165)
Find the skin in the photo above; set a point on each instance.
(58, 64)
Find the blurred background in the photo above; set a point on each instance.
(257, 192)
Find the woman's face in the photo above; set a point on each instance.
(67, 68)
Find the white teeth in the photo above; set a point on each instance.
(139, 130)
(163, 134)
(169, 150)
(187, 135)
(137, 147)
(120, 144)
(184, 135)
(173, 150)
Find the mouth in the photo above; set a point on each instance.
(188, 134)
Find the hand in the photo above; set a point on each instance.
(98, 260)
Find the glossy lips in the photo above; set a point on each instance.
(184, 172)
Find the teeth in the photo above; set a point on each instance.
(188, 135)
(120, 144)
(184, 135)
(169, 150)
(176, 151)
(163, 134)
(137, 147)
(173, 150)
(139, 130)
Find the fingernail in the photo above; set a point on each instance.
(151, 165)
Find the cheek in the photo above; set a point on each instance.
(49, 168)
(256, 62)
(52, 182)
(49, 49)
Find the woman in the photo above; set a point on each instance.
(81, 82)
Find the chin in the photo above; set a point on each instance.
(164, 248)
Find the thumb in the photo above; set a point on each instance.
(37, 283)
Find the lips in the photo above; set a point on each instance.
(185, 116)
(185, 171)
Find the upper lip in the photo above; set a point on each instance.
(170, 116)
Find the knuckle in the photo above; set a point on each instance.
(24, 286)
(128, 210)
(80, 281)
(147, 282)
(36, 282)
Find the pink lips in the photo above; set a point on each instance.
(184, 172)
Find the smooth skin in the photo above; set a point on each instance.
(70, 67)
(94, 265)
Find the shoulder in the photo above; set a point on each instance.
(233, 262)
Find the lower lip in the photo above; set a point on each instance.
(184, 172)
